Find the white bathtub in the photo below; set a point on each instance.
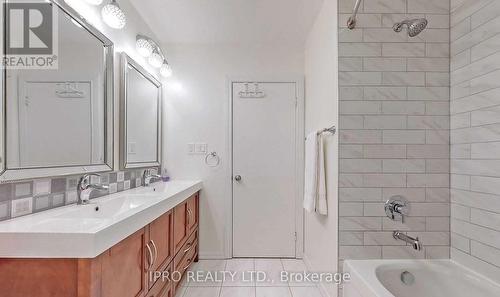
(436, 278)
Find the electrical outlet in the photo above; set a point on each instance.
(21, 207)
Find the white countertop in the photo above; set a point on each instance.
(79, 231)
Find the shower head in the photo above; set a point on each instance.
(415, 26)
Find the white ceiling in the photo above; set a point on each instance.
(284, 22)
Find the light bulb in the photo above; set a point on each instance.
(113, 16)
(144, 47)
(166, 70)
(155, 60)
(94, 2)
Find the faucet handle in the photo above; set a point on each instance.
(397, 208)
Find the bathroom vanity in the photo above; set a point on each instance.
(109, 248)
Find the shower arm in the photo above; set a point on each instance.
(398, 27)
(351, 22)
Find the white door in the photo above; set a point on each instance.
(264, 169)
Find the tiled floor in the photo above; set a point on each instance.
(241, 284)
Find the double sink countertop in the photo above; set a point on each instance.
(86, 231)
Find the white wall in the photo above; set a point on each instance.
(321, 233)
(197, 110)
(124, 41)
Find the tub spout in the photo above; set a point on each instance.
(415, 242)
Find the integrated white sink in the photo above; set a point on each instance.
(85, 231)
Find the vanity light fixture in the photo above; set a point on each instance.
(94, 2)
(113, 15)
(156, 59)
(144, 46)
(148, 48)
(166, 70)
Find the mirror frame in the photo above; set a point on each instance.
(6, 174)
(124, 164)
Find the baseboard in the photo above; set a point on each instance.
(321, 286)
(204, 256)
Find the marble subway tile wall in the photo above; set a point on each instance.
(48, 193)
(475, 134)
(394, 129)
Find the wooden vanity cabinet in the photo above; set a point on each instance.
(186, 218)
(123, 273)
(168, 244)
(160, 243)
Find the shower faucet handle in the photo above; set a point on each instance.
(397, 208)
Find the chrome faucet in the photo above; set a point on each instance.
(148, 176)
(415, 242)
(85, 184)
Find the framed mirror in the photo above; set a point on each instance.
(140, 116)
(57, 120)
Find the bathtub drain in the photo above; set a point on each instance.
(407, 278)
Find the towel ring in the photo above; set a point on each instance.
(210, 158)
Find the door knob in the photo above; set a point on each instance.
(237, 178)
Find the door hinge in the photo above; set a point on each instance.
(295, 236)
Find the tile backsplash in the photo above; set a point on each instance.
(26, 197)
(394, 129)
(475, 135)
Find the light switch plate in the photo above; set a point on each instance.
(191, 148)
(132, 148)
(21, 207)
(201, 148)
(41, 187)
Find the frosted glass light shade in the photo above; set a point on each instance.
(144, 47)
(166, 70)
(113, 16)
(155, 60)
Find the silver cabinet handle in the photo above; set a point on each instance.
(237, 178)
(155, 250)
(190, 214)
(190, 246)
(150, 256)
(189, 263)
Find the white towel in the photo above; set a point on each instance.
(321, 204)
(315, 178)
(311, 172)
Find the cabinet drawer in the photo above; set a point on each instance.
(163, 287)
(182, 266)
(186, 248)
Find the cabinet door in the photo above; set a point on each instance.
(123, 270)
(180, 226)
(161, 240)
(192, 213)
